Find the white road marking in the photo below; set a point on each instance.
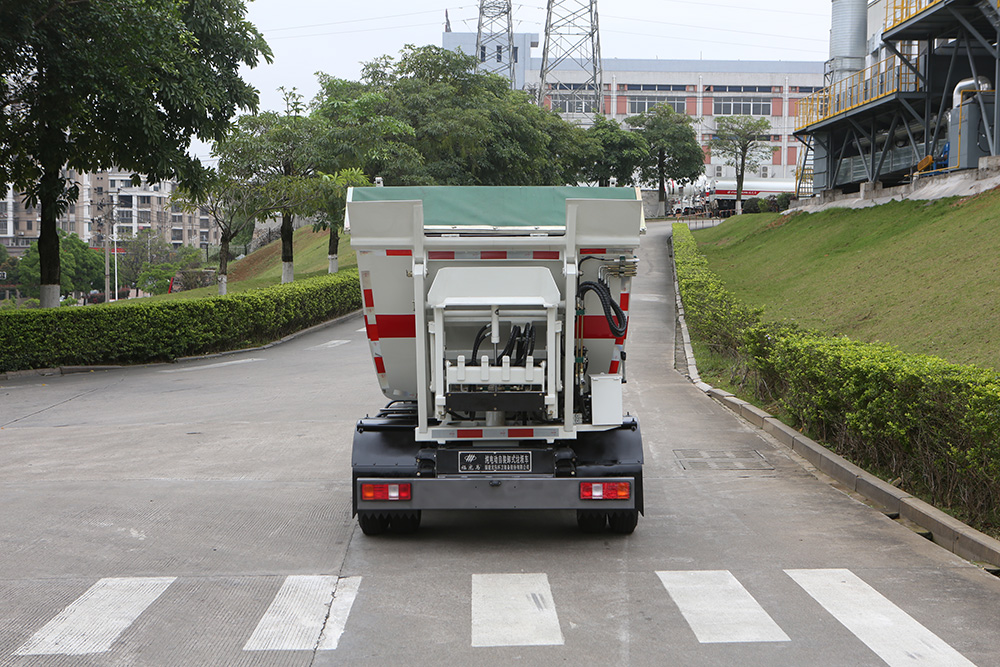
(719, 609)
(308, 613)
(885, 628)
(218, 365)
(332, 343)
(513, 610)
(362, 330)
(93, 622)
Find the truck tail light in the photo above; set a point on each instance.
(385, 492)
(605, 490)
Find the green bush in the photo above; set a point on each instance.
(140, 332)
(934, 424)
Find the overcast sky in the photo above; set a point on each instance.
(336, 36)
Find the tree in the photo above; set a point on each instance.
(615, 153)
(280, 154)
(469, 128)
(135, 253)
(332, 215)
(674, 150)
(82, 268)
(125, 83)
(234, 206)
(740, 141)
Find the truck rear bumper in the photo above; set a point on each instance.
(495, 493)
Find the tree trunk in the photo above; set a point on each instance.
(287, 259)
(661, 168)
(334, 249)
(740, 173)
(223, 276)
(48, 238)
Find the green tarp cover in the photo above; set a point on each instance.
(506, 206)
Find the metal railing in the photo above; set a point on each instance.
(883, 78)
(898, 11)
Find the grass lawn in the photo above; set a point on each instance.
(924, 276)
(263, 267)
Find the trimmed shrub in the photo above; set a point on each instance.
(140, 332)
(934, 424)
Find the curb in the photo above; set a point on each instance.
(71, 370)
(957, 537)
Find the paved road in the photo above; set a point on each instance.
(199, 514)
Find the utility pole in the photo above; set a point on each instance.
(571, 79)
(495, 39)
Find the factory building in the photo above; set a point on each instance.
(910, 90)
(702, 89)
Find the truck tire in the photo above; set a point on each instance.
(591, 521)
(373, 523)
(623, 522)
(405, 522)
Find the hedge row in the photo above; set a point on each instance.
(933, 424)
(140, 332)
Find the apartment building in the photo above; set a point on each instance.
(106, 196)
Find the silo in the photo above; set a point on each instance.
(848, 30)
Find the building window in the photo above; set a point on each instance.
(643, 103)
(572, 103)
(499, 54)
(125, 200)
(176, 234)
(125, 216)
(143, 217)
(515, 54)
(482, 54)
(742, 106)
(143, 200)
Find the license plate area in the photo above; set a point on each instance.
(480, 461)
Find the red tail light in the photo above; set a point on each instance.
(385, 492)
(605, 490)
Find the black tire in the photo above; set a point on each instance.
(623, 522)
(405, 522)
(373, 523)
(591, 521)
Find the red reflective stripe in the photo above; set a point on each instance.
(399, 253)
(593, 251)
(545, 254)
(397, 326)
(379, 365)
(623, 302)
(594, 326)
(372, 330)
(614, 367)
(470, 432)
(493, 254)
(369, 298)
(441, 254)
(520, 432)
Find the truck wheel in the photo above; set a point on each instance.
(623, 522)
(405, 522)
(590, 521)
(372, 523)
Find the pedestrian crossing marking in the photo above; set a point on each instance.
(93, 622)
(514, 610)
(890, 632)
(718, 608)
(308, 613)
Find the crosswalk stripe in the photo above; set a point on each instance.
(885, 628)
(308, 613)
(94, 621)
(718, 608)
(514, 610)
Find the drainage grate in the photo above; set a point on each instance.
(722, 459)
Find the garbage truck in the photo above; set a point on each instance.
(497, 319)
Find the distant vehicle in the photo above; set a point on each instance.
(723, 192)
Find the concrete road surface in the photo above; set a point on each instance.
(199, 514)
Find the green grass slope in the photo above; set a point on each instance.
(924, 276)
(262, 268)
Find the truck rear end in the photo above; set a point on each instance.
(497, 319)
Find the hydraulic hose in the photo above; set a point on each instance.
(612, 311)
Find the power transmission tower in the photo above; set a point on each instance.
(572, 45)
(495, 39)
